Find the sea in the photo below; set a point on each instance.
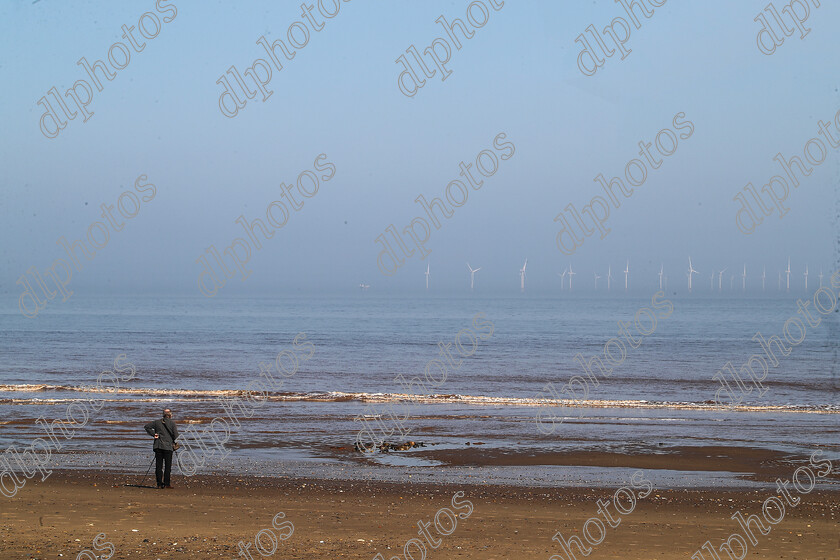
(191, 352)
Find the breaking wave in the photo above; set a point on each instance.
(197, 395)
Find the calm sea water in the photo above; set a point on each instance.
(190, 350)
(363, 340)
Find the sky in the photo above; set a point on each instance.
(338, 96)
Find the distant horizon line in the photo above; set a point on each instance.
(421, 291)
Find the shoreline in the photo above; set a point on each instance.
(711, 468)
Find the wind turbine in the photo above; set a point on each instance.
(661, 270)
(806, 277)
(626, 274)
(763, 277)
(596, 280)
(821, 277)
(780, 280)
(690, 272)
(788, 275)
(720, 279)
(522, 276)
(472, 275)
(731, 281)
(744, 279)
(609, 277)
(712, 281)
(562, 279)
(571, 273)
(427, 276)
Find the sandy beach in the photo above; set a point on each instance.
(484, 280)
(207, 516)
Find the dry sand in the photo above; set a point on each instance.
(205, 517)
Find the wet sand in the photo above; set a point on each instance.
(206, 517)
(754, 463)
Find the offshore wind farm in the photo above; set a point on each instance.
(649, 278)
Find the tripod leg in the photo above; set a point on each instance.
(147, 472)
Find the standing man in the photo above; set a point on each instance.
(165, 433)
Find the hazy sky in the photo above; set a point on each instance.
(518, 74)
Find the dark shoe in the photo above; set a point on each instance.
(160, 486)
(168, 487)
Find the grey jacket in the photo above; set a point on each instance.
(164, 441)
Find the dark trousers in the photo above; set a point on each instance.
(161, 473)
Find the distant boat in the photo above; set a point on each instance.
(364, 286)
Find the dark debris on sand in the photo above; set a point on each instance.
(386, 447)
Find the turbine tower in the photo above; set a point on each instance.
(427, 276)
(522, 276)
(596, 280)
(472, 275)
(763, 277)
(609, 277)
(806, 277)
(626, 274)
(661, 270)
(571, 273)
(562, 279)
(744, 279)
(780, 280)
(720, 279)
(788, 275)
(712, 281)
(820, 277)
(690, 272)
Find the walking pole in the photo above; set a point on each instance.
(148, 471)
